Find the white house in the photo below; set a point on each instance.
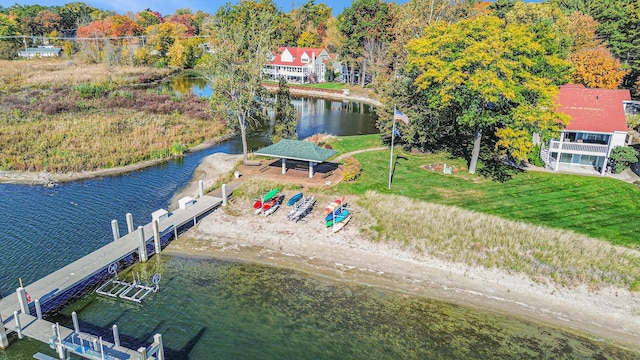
(41, 51)
(597, 125)
(297, 65)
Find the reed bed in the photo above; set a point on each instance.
(74, 143)
(45, 72)
(462, 236)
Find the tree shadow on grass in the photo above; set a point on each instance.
(497, 170)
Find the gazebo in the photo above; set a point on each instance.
(297, 150)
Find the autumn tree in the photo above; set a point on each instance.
(489, 76)
(547, 22)
(286, 115)
(241, 39)
(309, 39)
(310, 22)
(185, 53)
(8, 27)
(582, 28)
(618, 25)
(161, 37)
(597, 68)
(148, 18)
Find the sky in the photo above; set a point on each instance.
(168, 7)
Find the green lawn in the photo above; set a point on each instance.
(350, 143)
(326, 85)
(599, 207)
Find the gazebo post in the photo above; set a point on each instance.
(311, 169)
(284, 166)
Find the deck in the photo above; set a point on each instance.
(74, 274)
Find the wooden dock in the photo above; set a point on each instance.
(74, 274)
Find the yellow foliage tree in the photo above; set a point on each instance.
(597, 68)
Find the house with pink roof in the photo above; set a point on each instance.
(297, 65)
(597, 125)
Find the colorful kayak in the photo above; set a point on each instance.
(338, 218)
(275, 206)
(337, 227)
(334, 213)
(294, 199)
(333, 206)
(268, 196)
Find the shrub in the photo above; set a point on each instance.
(178, 149)
(351, 169)
(534, 156)
(621, 157)
(91, 90)
(161, 64)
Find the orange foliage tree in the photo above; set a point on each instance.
(597, 68)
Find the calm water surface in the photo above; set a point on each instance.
(212, 309)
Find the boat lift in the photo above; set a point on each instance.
(134, 291)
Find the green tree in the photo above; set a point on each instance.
(489, 75)
(621, 157)
(241, 40)
(371, 21)
(286, 115)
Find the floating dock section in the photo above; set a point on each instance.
(18, 313)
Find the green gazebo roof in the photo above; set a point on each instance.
(297, 150)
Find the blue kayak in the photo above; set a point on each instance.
(336, 212)
(294, 199)
(339, 218)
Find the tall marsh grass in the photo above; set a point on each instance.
(462, 236)
(46, 72)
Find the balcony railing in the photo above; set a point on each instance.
(579, 148)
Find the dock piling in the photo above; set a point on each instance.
(4, 341)
(115, 230)
(38, 309)
(116, 335)
(156, 236)
(143, 245)
(22, 300)
(201, 188)
(160, 347)
(224, 194)
(76, 325)
(16, 316)
(130, 222)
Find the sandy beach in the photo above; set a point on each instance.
(237, 233)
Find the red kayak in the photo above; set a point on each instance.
(333, 206)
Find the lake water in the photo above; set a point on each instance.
(215, 309)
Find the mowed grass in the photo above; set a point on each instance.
(347, 144)
(598, 207)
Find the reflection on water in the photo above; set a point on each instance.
(315, 115)
(213, 309)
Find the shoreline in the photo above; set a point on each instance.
(239, 235)
(52, 179)
(610, 314)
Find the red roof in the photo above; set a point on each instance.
(297, 56)
(598, 110)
